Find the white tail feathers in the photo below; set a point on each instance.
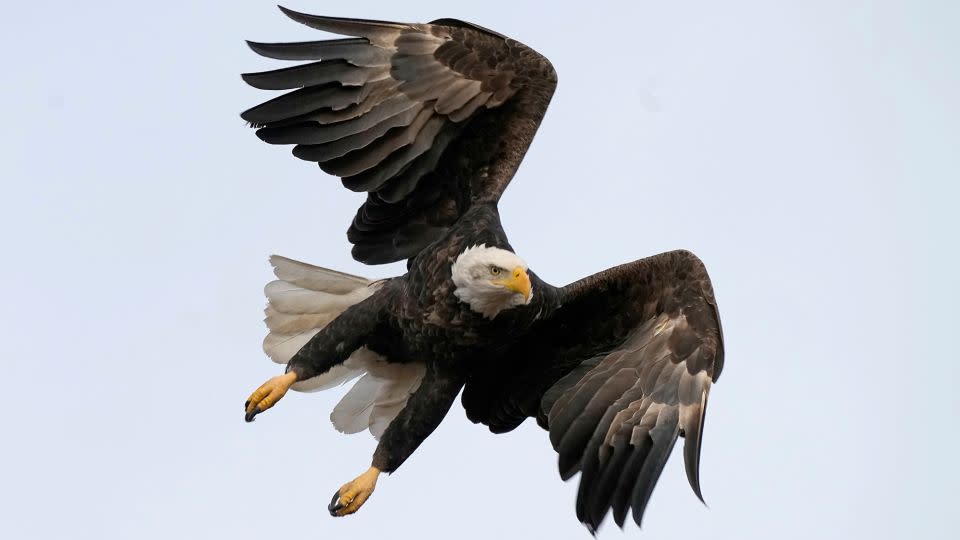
(377, 398)
(303, 300)
(315, 278)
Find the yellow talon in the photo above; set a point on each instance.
(268, 394)
(349, 498)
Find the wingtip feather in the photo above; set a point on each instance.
(251, 79)
(691, 449)
(263, 49)
(692, 466)
(375, 31)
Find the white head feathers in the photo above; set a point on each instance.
(491, 279)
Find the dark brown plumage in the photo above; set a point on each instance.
(432, 121)
(415, 115)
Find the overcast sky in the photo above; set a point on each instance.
(808, 152)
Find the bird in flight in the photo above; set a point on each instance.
(431, 121)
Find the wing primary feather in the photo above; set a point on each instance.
(558, 395)
(566, 410)
(301, 102)
(588, 426)
(597, 489)
(402, 152)
(692, 439)
(308, 134)
(364, 159)
(380, 32)
(342, 146)
(605, 486)
(399, 187)
(621, 496)
(313, 74)
(357, 51)
(664, 435)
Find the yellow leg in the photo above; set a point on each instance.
(349, 498)
(268, 395)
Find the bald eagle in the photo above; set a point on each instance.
(432, 121)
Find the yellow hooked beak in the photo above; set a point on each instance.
(518, 282)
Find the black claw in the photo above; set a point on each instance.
(246, 404)
(249, 416)
(335, 504)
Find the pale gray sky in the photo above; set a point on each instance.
(808, 151)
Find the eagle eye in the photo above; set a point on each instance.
(495, 270)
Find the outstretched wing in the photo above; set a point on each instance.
(428, 119)
(619, 371)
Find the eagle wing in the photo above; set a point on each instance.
(619, 371)
(427, 119)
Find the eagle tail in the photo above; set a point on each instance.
(377, 398)
(301, 301)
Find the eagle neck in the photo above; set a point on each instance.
(481, 225)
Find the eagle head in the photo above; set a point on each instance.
(491, 280)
